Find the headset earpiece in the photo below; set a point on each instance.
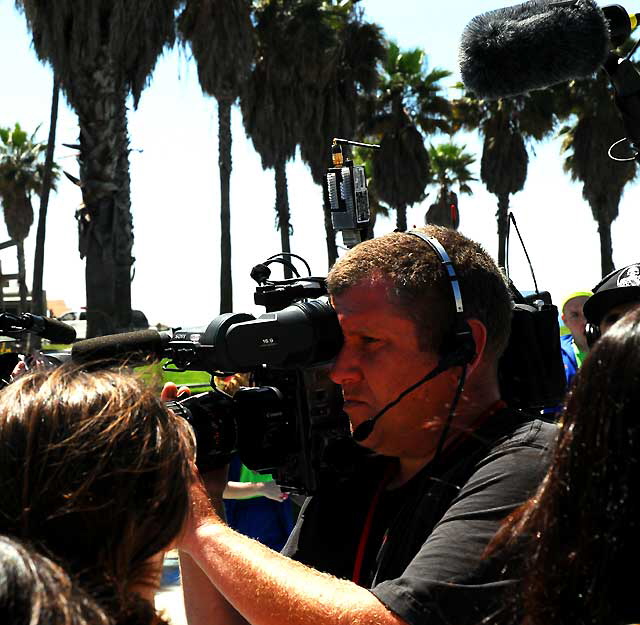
(464, 350)
(592, 333)
(459, 348)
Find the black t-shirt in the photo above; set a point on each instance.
(424, 556)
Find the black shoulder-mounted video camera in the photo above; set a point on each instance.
(289, 422)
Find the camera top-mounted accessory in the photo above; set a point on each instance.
(278, 294)
(345, 193)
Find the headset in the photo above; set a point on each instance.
(592, 333)
(458, 349)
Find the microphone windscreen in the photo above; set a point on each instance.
(56, 331)
(129, 347)
(532, 45)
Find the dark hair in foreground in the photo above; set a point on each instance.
(36, 591)
(583, 524)
(94, 472)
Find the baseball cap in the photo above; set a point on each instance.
(571, 296)
(619, 287)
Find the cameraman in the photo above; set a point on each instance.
(402, 540)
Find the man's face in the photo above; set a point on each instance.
(574, 319)
(616, 313)
(380, 358)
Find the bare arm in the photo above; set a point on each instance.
(265, 587)
(203, 602)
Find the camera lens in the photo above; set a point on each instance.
(210, 416)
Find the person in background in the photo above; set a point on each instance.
(581, 527)
(574, 345)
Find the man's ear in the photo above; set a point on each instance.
(479, 333)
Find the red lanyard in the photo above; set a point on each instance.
(366, 530)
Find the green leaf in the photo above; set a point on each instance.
(410, 62)
(391, 62)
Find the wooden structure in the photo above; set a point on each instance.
(5, 277)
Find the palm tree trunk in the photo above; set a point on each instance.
(123, 228)
(22, 277)
(38, 306)
(332, 247)
(606, 248)
(502, 216)
(105, 225)
(283, 211)
(224, 166)
(401, 218)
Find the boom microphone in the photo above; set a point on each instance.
(51, 329)
(366, 427)
(536, 44)
(118, 348)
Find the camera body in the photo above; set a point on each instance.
(290, 422)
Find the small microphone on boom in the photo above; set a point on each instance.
(362, 431)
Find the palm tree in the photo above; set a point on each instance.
(21, 176)
(506, 125)
(220, 34)
(353, 50)
(450, 167)
(37, 294)
(288, 35)
(407, 104)
(596, 125)
(102, 51)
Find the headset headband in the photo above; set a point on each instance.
(446, 261)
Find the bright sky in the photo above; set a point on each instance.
(175, 197)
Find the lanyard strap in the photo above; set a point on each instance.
(366, 530)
